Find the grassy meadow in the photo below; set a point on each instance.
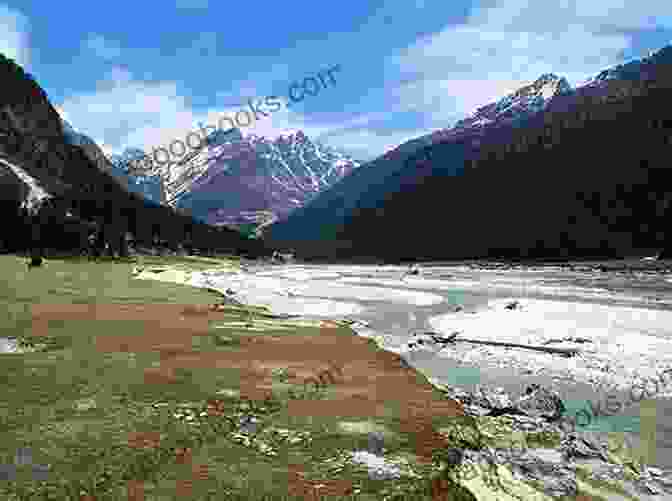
(112, 424)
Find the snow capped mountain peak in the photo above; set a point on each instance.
(262, 174)
(525, 101)
(235, 179)
(528, 99)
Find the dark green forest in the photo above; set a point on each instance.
(89, 210)
(590, 177)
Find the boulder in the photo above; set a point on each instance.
(540, 402)
(375, 443)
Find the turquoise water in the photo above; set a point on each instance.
(627, 420)
(591, 417)
(462, 376)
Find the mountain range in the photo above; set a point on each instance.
(242, 182)
(548, 171)
(391, 173)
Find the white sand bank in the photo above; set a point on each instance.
(270, 285)
(272, 294)
(416, 283)
(627, 344)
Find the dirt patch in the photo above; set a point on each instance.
(141, 440)
(313, 490)
(361, 380)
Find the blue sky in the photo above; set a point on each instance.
(143, 73)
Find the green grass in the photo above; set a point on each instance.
(40, 389)
(87, 447)
(75, 406)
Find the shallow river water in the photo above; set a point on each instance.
(623, 313)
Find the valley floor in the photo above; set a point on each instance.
(122, 382)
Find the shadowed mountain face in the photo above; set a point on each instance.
(548, 171)
(58, 191)
(91, 150)
(392, 173)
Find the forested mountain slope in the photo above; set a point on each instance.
(56, 194)
(586, 175)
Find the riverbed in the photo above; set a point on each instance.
(626, 318)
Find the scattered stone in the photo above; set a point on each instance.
(584, 447)
(432, 340)
(23, 456)
(355, 324)
(494, 400)
(248, 424)
(376, 443)
(378, 468)
(228, 300)
(505, 411)
(656, 472)
(7, 472)
(648, 488)
(453, 456)
(8, 345)
(540, 402)
(35, 262)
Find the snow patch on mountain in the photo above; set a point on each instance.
(234, 179)
(526, 100)
(36, 194)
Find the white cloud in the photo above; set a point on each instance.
(443, 100)
(102, 47)
(501, 46)
(507, 44)
(14, 40)
(593, 16)
(467, 67)
(127, 112)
